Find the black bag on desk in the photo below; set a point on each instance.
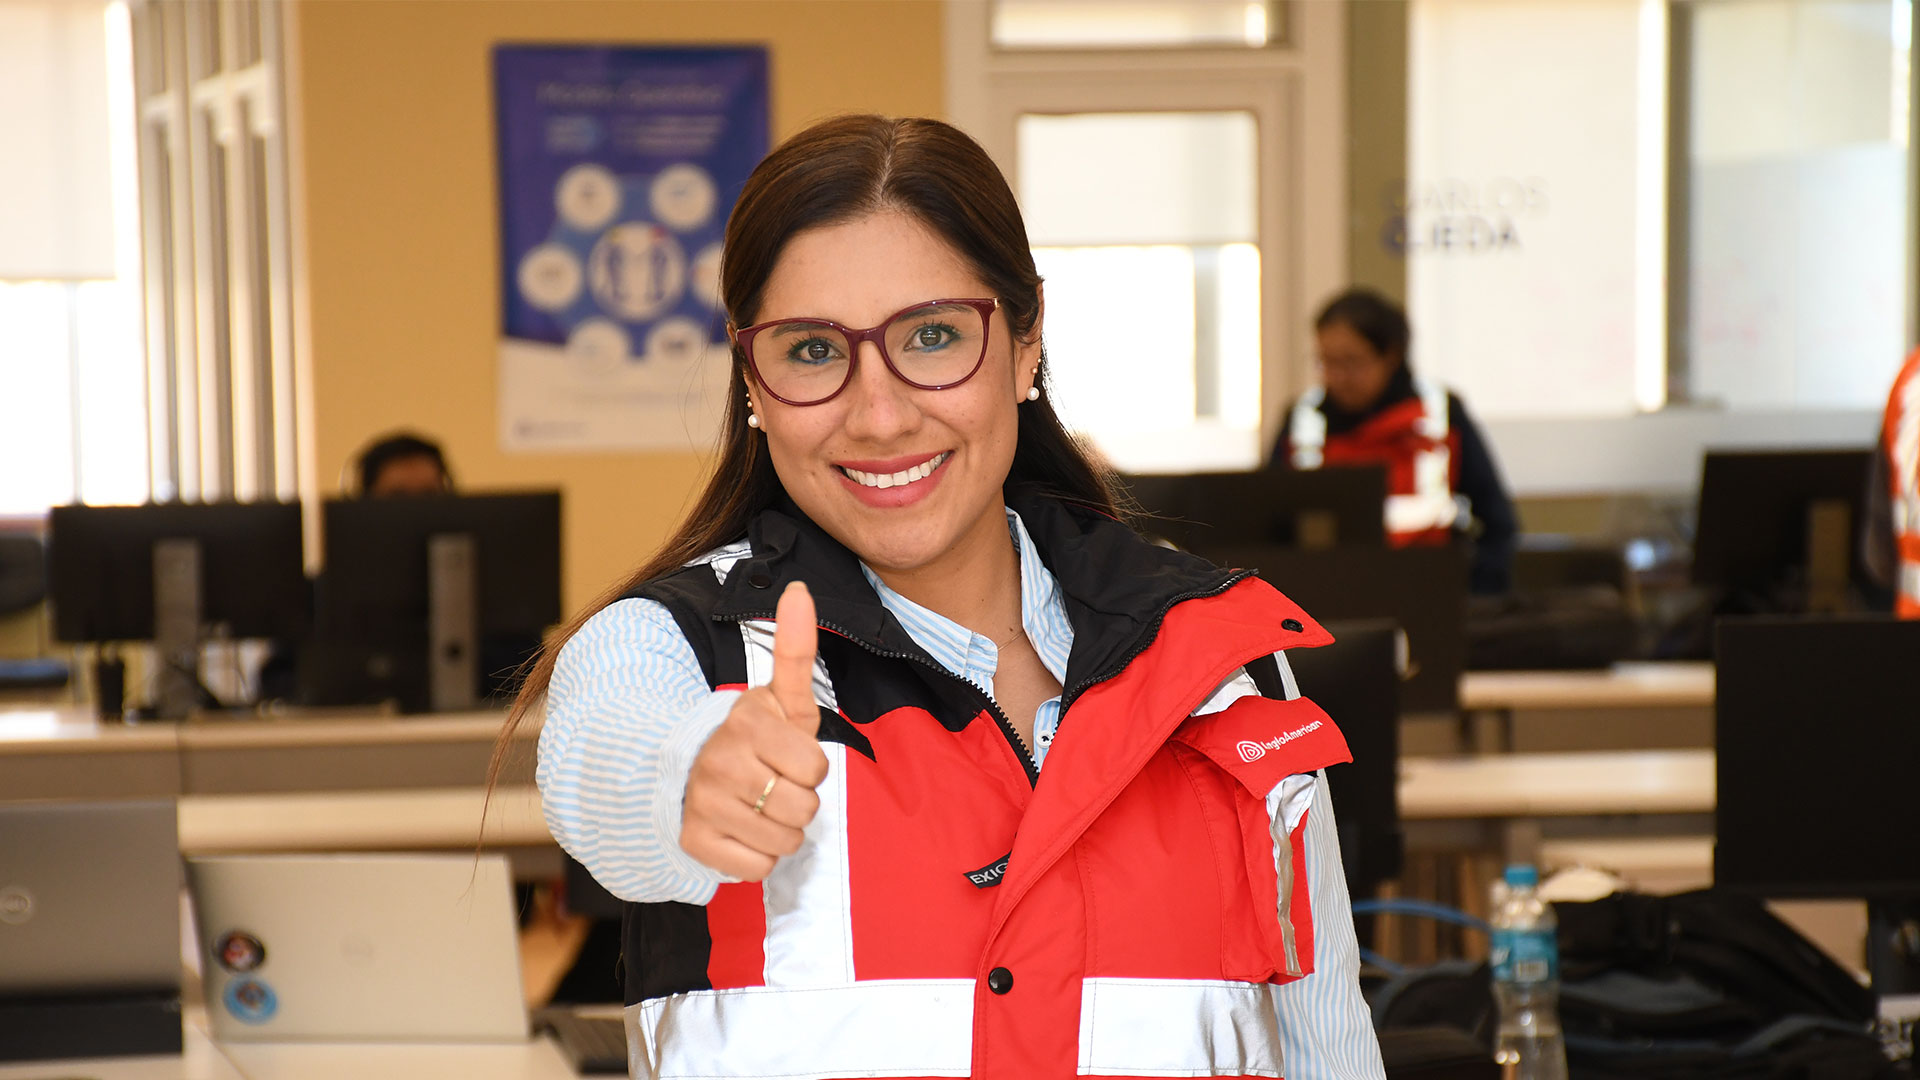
(1700, 986)
(1707, 984)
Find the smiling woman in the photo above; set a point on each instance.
(804, 740)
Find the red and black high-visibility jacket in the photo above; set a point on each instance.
(952, 912)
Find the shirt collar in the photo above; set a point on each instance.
(1043, 615)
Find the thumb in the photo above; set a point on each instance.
(794, 645)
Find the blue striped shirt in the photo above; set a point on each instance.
(629, 708)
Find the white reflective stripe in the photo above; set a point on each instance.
(1418, 513)
(1177, 1027)
(887, 1027)
(1238, 685)
(756, 636)
(1288, 803)
(1433, 408)
(809, 897)
(1906, 514)
(1910, 581)
(1307, 430)
(1287, 682)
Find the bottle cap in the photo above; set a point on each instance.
(1522, 876)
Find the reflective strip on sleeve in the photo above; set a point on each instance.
(887, 1027)
(1307, 431)
(1177, 1027)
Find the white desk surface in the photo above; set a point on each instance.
(71, 729)
(1505, 785)
(536, 1059)
(435, 818)
(1624, 686)
(1558, 785)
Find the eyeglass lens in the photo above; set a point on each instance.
(933, 346)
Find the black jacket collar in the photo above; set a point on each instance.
(1116, 586)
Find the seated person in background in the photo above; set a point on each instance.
(1891, 538)
(1370, 409)
(403, 464)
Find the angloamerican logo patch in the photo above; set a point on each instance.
(1251, 751)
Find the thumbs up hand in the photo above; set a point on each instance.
(751, 790)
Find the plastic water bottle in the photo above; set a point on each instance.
(1526, 981)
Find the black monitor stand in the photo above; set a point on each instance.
(176, 626)
(453, 621)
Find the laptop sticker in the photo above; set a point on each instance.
(239, 951)
(250, 1001)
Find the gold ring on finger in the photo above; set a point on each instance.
(760, 804)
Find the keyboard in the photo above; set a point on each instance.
(594, 1041)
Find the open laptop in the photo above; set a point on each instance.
(89, 899)
(358, 948)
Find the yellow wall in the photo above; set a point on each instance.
(392, 99)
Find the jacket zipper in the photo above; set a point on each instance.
(1005, 724)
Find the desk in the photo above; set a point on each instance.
(1636, 686)
(68, 753)
(433, 819)
(1624, 686)
(1516, 793)
(204, 1059)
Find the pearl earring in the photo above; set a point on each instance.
(1033, 393)
(753, 421)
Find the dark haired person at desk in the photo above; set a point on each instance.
(403, 463)
(806, 740)
(1891, 538)
(1371, 409)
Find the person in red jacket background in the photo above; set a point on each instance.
(1370, 409)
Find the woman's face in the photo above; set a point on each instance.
(1353, 371)
(858, 274)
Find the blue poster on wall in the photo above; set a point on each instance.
(618, 167)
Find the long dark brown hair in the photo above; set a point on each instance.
(834, 172)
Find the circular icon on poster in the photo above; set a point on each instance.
(683, 197)
(587, 197)
(598, 347)
(637, 271)
(706, 276)
(550, 277)
(239, 951)
(250, 1001)
(16, 905)
(676, 341)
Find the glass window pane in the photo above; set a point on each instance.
(1797, 202)
(1145, 229)
(1139, 178)
(1083, 24)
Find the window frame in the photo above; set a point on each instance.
(1295, 89)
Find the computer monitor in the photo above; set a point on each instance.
(1357, 681)
(1777, 530)
(432, 601)
(173, 574)
(1311, 508)
(1817, 751)
(1423, 589)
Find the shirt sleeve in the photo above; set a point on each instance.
(626, 713)
(1326, 1029)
